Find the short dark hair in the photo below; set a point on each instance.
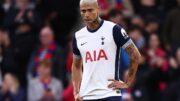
(133, 28)
(114, 12)
(151, 19)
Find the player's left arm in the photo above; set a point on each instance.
(123, 40)
(134, 55)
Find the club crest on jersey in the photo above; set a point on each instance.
(102, 39)
(96, 56)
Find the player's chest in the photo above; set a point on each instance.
(95, 42)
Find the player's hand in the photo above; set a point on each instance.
(117, 84)
(77, 97)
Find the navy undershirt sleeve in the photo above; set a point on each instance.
(120, 36)
(75, 48)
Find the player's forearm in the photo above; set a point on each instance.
(134, 60)
(76, 78)
(132, 72)
(76, 73)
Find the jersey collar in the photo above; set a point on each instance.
(94, 30)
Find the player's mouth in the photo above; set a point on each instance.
(87, 20)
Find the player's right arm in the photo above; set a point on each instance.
(76, 70)
(76, 75)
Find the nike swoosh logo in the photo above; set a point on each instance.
(83, 43)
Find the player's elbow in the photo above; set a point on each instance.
(136, 58)
(139, 58)
(75, 67)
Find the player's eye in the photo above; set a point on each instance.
(90, 10)
(83, 11)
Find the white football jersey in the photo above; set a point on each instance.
(99, 50)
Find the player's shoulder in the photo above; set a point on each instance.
(81, 31)
(109, 23)
(112, 25)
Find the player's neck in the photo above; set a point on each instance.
(94, 25)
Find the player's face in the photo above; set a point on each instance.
(89, 12)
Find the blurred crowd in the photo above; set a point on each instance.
(36, 51)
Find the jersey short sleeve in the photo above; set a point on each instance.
(120, 37)
(76, 51)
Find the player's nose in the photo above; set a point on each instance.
(86, 17)
(87, 14)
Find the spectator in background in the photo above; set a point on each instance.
(48, 50)
(7, 4)
(21, 9)
(11, 90)
(157, 60)
(156, 55)
(175, 67)
(117, 17)
(136, 34)
(128, 10)
(173, 91)
(104, 8)
(147, 8)
(138, 21)
(7, 61)
(24, 40)
(171, 28)
(152, 25)
(45, 87)
(63, 16)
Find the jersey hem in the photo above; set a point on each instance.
(101, 97)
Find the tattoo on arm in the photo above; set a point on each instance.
(131, 70)
(133, 52)
(134, 58)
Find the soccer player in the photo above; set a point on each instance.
(95, 71)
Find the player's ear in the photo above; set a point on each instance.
(98, 10)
